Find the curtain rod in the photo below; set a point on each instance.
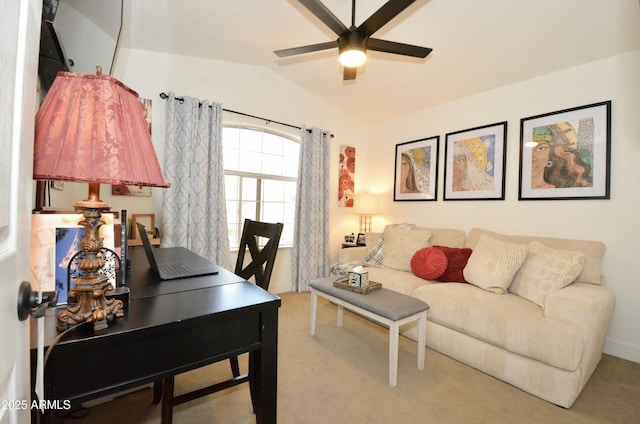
(164, 96)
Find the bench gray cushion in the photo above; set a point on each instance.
(386, 303)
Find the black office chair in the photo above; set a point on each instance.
(254, 234)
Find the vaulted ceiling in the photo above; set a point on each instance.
(477, 45)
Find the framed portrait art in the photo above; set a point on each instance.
(474, 167)
(566, 154)
(416, 170)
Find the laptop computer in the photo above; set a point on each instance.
(170, 263)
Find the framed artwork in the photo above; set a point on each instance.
(350, 239)
(346, 178)
(566, 154)
(474, 166)
(130, 190)
(416, 170)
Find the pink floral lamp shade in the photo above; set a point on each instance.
(91, 128)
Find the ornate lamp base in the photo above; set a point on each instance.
(89, 289)
(92, 306)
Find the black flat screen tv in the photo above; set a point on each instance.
(52, 58)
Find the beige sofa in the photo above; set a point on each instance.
(545, 340)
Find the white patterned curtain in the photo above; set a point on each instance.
(194, 211)
(310, 252)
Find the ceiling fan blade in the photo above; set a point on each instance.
(350, 73)
(325, 15)
(397, 48)
(383, 15)
(306, 49)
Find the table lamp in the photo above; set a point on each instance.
(366, 205)
(91, 129)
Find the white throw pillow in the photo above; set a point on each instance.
(401, 243)
(493, 264)
(546, 270)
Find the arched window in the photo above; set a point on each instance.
(261, 172)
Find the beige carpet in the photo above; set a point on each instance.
(341, 376)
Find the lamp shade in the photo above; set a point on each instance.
(366, 204)
(91, 128)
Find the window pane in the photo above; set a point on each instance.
(231, 187)
(250, 161)
(286, 238)
(291, 149)
(290, 188)
(272, 191)
(249, 189)
(272, 144)
(251, 140)
(248, 211)
(231, 137)
(272, 212)
(290, 167)
(230, 158)
(272, 165)
(234, 237)
(232, 211)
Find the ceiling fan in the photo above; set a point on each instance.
(353, 42)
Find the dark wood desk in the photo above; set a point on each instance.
(170, 327)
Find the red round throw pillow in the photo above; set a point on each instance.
(429, 263)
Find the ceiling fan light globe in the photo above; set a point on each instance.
(352, 57)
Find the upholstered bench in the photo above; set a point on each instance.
(387, 307)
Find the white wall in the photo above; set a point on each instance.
(615, 222)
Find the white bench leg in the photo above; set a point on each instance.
(394, 330)
(340, 315)
(314, 307)
(422, 339)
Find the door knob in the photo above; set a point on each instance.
(28, 301)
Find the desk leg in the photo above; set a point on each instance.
(264, 370)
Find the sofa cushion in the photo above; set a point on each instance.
(375, 252)
(400, 244)
(508, 322)
(546, 270)
(591, 273)
(375, 244)
(447, 237)
(493, 264)
(457, 258)
(400, 281)
(372, 240)
(429, 263)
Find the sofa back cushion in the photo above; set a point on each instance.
(594, 250)
(447, 237)
(401, 243)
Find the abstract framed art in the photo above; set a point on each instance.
(474, 167)
(416, 170)
(566, 154)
